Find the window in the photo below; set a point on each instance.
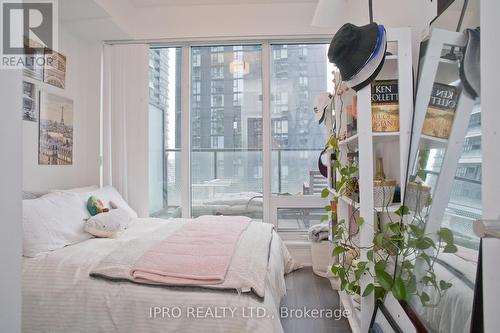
(298, 72)
(164, 132)
(226, 149)
(294, 130)
(226, 130)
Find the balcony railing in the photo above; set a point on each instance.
(279, 155)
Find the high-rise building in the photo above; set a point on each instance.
(226, 106)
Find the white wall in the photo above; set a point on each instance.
(490, 68)
(83, 87)
(10, 201)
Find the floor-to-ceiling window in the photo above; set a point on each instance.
(299, 72)
(231, 115)
(226, 127)
(164, 131)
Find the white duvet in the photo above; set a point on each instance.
(59, 295)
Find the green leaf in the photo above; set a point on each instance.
(380, 265)
(429, 281)
(338, 250)
(368, 290)
(360, 221)
(325, 193)
(384, 279)
(369, 255)
(351, 170)
(424, 243)
(407, 264)
(379, 292)
(424, 298)
(412, 285)
(335, 269)
(395, 228)
(443, 285)
(328, 208)
(450, 248)
(323, 218)
(425, 257)
(446, 235)
(402, 210)
(399, 289)
(379, 239)
(416, 230)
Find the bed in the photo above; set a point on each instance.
(60, 296)
(454, 310)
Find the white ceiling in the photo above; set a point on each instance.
(164, 3)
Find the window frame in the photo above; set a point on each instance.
(270, 211)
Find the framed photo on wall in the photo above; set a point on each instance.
(30, 101)
(54, 72)
(55, 140)
(33, 67)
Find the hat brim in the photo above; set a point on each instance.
(469, 69)
(371, 78)
(323, 169)
(372, 66)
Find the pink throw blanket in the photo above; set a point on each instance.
(199, 253)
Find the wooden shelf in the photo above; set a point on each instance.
(377, 137)
(389, 209)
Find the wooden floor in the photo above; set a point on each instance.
(305, 289)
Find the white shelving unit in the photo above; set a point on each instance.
(391, 146)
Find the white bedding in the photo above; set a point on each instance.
(453, 313)
(59, 295)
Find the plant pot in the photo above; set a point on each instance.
(320, 255)
(383, 192)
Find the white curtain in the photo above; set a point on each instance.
(125, 122)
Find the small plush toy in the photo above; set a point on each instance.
(96, 206)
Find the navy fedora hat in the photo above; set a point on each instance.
(352, 47)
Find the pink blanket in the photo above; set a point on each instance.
(199, 253)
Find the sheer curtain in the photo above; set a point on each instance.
(125, 122)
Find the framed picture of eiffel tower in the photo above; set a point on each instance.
(55, 140)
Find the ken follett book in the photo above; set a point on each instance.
(385, 106)
(441, 111)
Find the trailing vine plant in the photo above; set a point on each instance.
(400, 246)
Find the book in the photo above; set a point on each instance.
(385, 106)
(441, 111)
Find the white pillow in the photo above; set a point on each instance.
(52, 222)
(109, 194)
(108, 224)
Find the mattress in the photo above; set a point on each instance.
(59, 295)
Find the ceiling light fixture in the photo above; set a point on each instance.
(239, 67)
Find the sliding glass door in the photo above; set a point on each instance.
(226, 130)
(210, 115)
